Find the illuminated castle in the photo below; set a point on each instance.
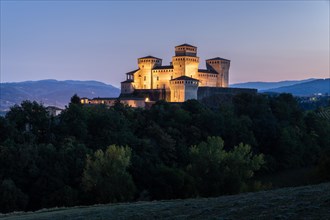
(178, 81)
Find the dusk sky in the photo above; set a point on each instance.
(101, 40)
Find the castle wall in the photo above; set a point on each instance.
(207, 79)
(152, 94)
(183, 90)
(204, 92)
(126, 87)
(161, 78)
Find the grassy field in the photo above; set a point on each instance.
(307, 202)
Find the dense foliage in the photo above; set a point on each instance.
(97, 154)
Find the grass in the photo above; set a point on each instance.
(306, 202)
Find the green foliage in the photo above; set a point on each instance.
(174, 150)
(11, 197)
(75, 99)
(218, 171)
(105, 176)
(324, 166)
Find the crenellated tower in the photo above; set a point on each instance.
(221, 66)
(143, 77)
(185, 62)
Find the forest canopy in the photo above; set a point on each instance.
(101, 154)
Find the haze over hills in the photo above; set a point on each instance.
(58, 93)
(52, 92)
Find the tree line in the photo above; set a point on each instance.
(101, 154)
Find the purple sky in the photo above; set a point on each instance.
(101, 40)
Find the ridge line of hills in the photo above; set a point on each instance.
(58, 93)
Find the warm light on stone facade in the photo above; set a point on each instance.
(151, 75)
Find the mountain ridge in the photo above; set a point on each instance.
(269, 85)
(52, 92)
(58, 93)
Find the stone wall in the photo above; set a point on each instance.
(204, 92)
(151, 94)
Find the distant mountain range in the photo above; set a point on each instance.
(318, 86)
(52, 92)
(58, 93)
(305, 87)
(269, 85)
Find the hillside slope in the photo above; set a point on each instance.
(52, 92)
(307, 202)
(305, 89)
(269, 85)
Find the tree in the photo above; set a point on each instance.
(217, 171)
(105, 176)
(11, 197)
(31, 120)
(75, 99)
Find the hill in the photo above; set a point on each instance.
(52, 92)
(307, 202)
(305, 89)
(269, 85)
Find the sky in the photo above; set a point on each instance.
(101, 40)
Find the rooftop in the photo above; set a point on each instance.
(207, 71)
(127, 81)
(150, 57)
(184, 78)
(163, 67)
(131, 72)
(218, 58)
(188, 45)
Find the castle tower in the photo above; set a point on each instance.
(183, 88)
(185, 62)
(143, 77)
(221, 66)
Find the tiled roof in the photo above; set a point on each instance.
(185, 45)
(132, 72)
(218, 58)
(163, 67)
(149, 57)
(184, 78)
(207, 71)
(127, 81)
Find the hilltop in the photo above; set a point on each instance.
(52, 92)
(307, 202)
(306, 88)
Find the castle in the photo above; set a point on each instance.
(178, 81)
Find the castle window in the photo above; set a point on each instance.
(145, 78)
(157, 79)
